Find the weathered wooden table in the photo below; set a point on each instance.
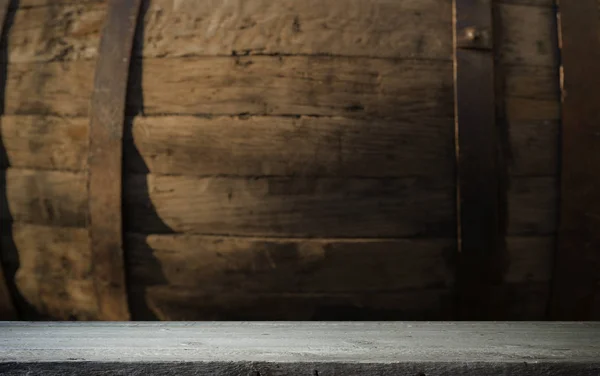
(307, 348)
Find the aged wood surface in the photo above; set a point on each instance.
(347, 142)
(270, 146)
(527, 35)
(529, 119)
(300, 85)
(55, 270)
(532, 205)
(253, 146)
(401, 348)
(307, 146)
(53, 198)
(216, 264)
(576, 293)
(172, 28)
(295, 206)
(193, 277)
(381, 206)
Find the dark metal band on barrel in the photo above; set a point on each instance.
(477, 156)
(105, 158)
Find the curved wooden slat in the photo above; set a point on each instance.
(576, 292)
(105, 158)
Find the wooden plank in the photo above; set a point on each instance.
(530, 259)
(296, 206)
(383, 207)
(271, 85)
(212, 264)
(534, 149)
(174, 28)
(292, 85)
(170, 274)
(54, 270)
(107, 118)
(306, 146)
(51, 198)
(7, 309)
(271, 146)
(378, 28)
(521, 301)
(325, 86)
(51, 88)
(41, 3)
(532, 206)
(576, 291)
(531, 82)
(55, 30)
(44, 142)
(55, 263)
(537, 3)
(167, 304)
(528, 35)
(273, 348)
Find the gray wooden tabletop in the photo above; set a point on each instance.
(412, 346)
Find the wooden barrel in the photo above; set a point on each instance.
(290, 159)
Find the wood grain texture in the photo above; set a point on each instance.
(54, 270)
(167, 304)
(530, 259)
(271, 146)
(44, 142)
(408, 29)
(524, 302)
(302, 85)
(253, 146)
(167, 268)
(381, 28)
(321, 207)
(54, 95)
(326, 86)
(189, 277)
(232, 205)
(530, 120)
(306, 146)
(455, 348)
(201, 146)
(532, 205)
(212, 264)
(41, 3)
(50, 198)
(538, 3)
(576, 286)
(533, 148)
(174, 28)
(528, 35)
